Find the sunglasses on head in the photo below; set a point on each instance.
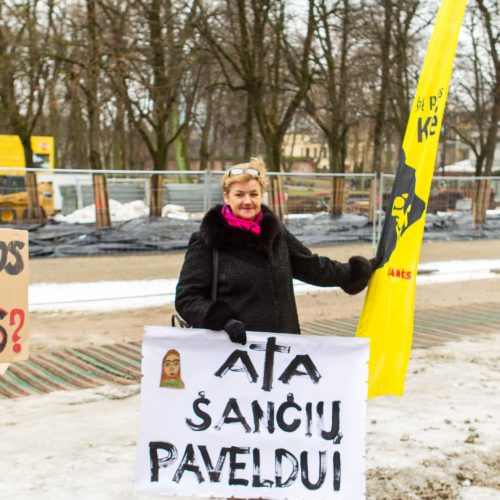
(249, 170)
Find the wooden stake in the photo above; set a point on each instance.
(102, 217)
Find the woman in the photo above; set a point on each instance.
(258, 258)
(171, 370)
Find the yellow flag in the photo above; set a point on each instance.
(387, 316)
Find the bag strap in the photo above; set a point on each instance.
(215, 273)
(176, 318)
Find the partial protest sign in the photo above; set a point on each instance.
(13, 296)
(282, 417)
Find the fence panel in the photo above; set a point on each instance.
(308, 203)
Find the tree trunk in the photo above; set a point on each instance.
(204, 149)
(98, 181)
(156, 183)
(156, 195)
(119, 141)
(373, 199)
(338, 183)
(273, 162)
(205, 134)
(343, 126)
(481, 202)
(338, 196)
(247, 153)
(34, 212)
(273, 153)
(384, 84)
(277, 196)
(180, 146)
(54, 116)
(491, 140)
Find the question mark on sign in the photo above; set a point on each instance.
(3, 333)
(15, 337)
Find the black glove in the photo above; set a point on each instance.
(359, 272)
(236, 331)
(218, 314)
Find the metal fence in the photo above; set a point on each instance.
(194, 191)
(359, 200)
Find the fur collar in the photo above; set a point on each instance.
(216, 233)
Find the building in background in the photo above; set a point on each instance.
(306, 151)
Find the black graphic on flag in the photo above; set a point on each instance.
(404, 208)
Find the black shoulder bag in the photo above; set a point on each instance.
(215, 273)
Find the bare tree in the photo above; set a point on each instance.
(147, 71)
(25, 71)
(258, 55)
(83, 59)
(476, 100)
(392, 32)
(471, 94)
(329, 101)
(407, 26)
(91, 90)
(490, 16)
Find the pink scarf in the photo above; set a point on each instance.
(248, 225)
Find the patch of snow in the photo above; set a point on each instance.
(116, 295)
(122, 212)
(118, 212)
(493, 213)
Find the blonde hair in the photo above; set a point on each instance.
(257, 163)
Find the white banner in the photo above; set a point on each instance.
(282, 417)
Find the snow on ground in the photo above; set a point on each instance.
(118, 212)
(439, 441)
(121, 212)
(113, 295)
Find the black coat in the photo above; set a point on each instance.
(255, 275)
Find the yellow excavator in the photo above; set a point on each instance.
(13, 193)
(14, 198)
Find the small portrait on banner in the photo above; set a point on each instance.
(171, 371)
